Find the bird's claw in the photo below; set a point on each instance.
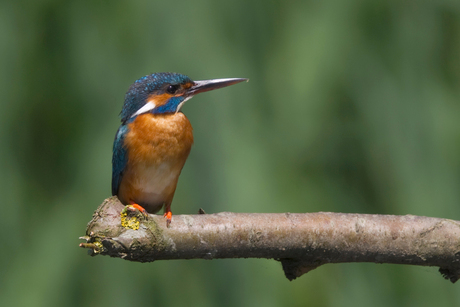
(134, 207)
(168, 216)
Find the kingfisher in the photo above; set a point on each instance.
(154, 139)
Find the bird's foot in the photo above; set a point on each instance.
(134, 207)
(168, 216)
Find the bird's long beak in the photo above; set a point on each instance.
(213, 84)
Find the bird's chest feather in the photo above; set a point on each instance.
(157, 147)
(158, 138)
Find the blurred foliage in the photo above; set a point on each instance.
(352, 106)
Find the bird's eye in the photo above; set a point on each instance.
(172, 89)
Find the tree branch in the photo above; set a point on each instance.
(302, 242)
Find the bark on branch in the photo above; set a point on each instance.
(302, 242)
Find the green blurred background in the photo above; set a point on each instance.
(352, 106)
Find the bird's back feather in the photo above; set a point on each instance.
(119, 158)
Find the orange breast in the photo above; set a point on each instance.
(157, 146)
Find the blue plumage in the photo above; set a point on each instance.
(119, 158)
(170, 106)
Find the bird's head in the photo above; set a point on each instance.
(166, 93)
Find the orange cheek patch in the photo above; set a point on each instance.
(186, 86)
(159, 100)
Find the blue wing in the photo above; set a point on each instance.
(119, 158)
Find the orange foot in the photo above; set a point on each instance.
(132, 207)
(168, 216)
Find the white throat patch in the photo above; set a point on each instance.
(182, 103)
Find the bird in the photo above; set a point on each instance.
(154, 139)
